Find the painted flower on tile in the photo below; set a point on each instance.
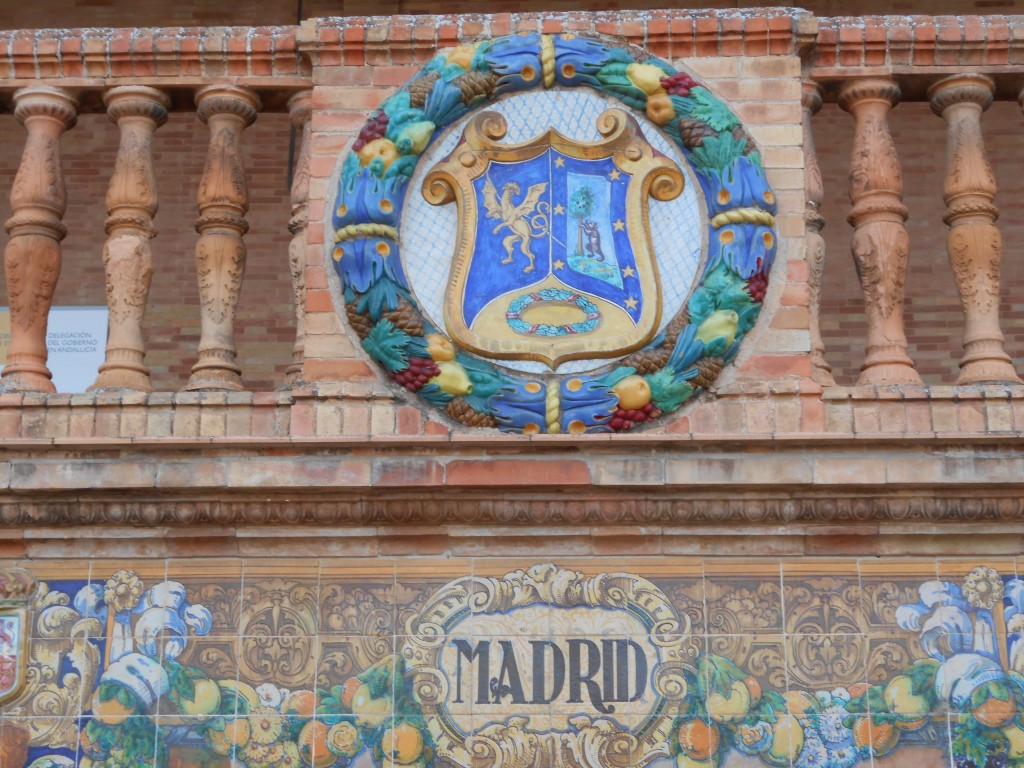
(122, 590)
(983, 587)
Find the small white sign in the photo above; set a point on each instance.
(76, 338)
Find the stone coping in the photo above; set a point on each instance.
(838, 47)
(352, 413)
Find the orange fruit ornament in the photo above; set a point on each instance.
(880, 738)
(234, 734)
(857, 690)
(348, 692)
(403, 743)
(111, 711)
(300, 703)
(754, 686)
(313, 747)
(995, 713)
(698, 739)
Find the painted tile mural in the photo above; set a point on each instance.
(479, 663)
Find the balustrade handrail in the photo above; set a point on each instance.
(230, 74)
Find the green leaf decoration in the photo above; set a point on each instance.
(730, 668)
(722, 682)
(717, 153)
(620, 373)
(748, 317)
(435, 395)
(614, 72)
(857, 705)
(667, 393)
(722, 289)
(702, 303)
(716, 347)
(182, 685)
(107, 691)
(735, 297)
(770, 703)
(619, 55)
(378, 678)
(612, 77)
(486, 380)
(683, 105)
(386, 345)
(922, 678)
(477, 402)
(126, 698)
(875, 699)
(396, 103)
(713, 112)
(416, 347)
(403, 167)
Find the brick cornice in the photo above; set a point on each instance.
(151, 54)
(918, 44)
(668, 33)
(836, 48)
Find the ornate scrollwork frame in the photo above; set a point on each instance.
(588, 741)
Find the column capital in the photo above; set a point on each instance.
(137, 101)
(860, 90)
(961, 89)
(46, 101)
(300, 107)
(221, 99)
(811, 96)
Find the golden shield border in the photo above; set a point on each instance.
(652, 175)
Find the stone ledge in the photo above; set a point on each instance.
(750, 510)
(271, 538)
(360, 412)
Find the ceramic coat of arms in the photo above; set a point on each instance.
(553, 234)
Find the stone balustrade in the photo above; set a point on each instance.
(327, 74)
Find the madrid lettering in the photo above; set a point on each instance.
(605, 671)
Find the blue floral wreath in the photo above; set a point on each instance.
(682, 360)
(517, 324)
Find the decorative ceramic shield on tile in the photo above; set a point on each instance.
(16, 587)
(549, 233)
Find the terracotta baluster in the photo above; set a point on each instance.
(131, 205)
(220, 252)
(815, 222)
(974, 244)
(300, 109)
(32, 256)
(881, 246)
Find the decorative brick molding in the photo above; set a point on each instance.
(153, 54)
(905, 43)
(673, 33)
(893, 44)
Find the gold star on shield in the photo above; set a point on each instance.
(628, 272)
(559, 264)
(559, 209)
(559, 162)
(630, 303)
(614, 175)
(619, 225)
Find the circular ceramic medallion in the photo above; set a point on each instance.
(548, 234)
